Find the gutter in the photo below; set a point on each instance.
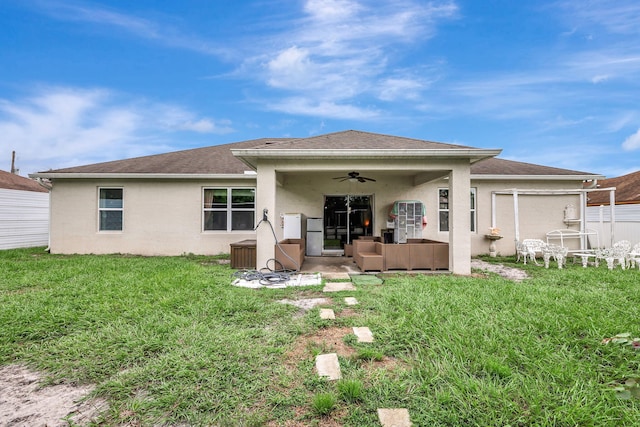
(488, 177)
(182, 176)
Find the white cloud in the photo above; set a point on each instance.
(331, 10)
(324, 109)
(340, 50)
(61, 126)
(395, 88)
(162, 33)
(620, 16)
(632, 143)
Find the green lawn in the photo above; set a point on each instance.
(168, 341)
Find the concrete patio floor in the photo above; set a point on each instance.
(329, 264)
(346, 265)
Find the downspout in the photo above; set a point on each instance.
(516, 215)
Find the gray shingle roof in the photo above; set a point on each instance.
(358, 140)
(218, 159)
(495, 166)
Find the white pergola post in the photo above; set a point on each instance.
(612, 206)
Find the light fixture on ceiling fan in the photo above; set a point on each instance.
(353, 177)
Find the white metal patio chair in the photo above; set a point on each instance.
(633, 257)
(618, 252)
(557, 252)
(529, 248)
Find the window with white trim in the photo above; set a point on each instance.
(229, 209)
(443, 209)
(110, 209)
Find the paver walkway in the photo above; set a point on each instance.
(328, 365)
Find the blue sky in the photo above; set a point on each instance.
(550, 82)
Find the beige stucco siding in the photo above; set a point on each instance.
(161, 217)
(538, 214)
(164, 217)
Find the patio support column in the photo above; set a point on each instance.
(460, 220)
(265, 199)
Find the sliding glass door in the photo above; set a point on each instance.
(346, 217)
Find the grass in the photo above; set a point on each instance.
(167, 340)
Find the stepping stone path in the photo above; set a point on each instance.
(394, 417)
(364, 334)
(350, 301)
(328, 366)
(327, 314)
(338, 287)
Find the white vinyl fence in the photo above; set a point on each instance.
(626, 227)
(24, 219)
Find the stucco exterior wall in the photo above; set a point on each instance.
(161, 217)
(538, 214)
(164, 217)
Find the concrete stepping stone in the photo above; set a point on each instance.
(338, 287)
(364, 334)
(350, 301)
(336, 276)
(394, 417)
(328, 366)
(327, 314)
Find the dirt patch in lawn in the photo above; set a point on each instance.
(25, 402)
(326, 340)
(510, 273)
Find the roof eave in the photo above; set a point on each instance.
(250, 156)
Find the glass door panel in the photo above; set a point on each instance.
(346, 217)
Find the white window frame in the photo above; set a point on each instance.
(110, 209)
(229, 209)
(473, 209)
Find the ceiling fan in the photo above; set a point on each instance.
(354, 176)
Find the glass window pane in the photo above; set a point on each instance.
(444, 199)
(444, 221)
(111, 198)
(215, 220)
(110, 220)
(473, 199)
(242, 220)
(215, 198)
(243, 198)
(473, 221)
